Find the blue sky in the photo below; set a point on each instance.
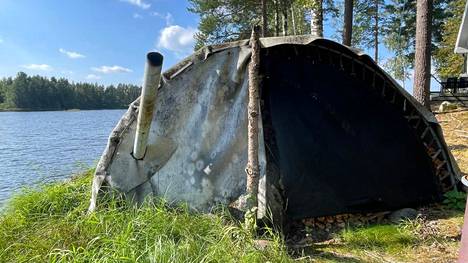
(102, 41)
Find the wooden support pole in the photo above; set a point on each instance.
(252, 168)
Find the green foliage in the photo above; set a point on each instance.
(455, 200)
(222, 20)
(390, 238)
(367, 23)
(398, 66)
(230, 20)
(40, 93)
(400, 32)
(250, 220)
(447, 63)
(50, 224)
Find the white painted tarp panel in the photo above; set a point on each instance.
(197, 147)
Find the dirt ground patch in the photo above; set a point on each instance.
(455, 127)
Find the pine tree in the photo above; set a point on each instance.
(367, 26)
(399, 33)
(348, 22)
(222, 21)
(422, 60)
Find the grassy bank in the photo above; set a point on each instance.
(51, 224)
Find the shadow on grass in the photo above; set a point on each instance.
(317, 252)
(370, 242)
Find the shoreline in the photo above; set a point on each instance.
(69, 110)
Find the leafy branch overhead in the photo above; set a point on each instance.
(377, 25)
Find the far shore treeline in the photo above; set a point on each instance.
(25, 92)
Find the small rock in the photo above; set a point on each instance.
(445, 106)
(261, 244)
(405, 213)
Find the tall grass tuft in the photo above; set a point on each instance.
(51, 224)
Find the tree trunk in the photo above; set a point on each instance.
(422, 57)
(285, 18)
(264, 19)
(348, 23)
(316, 21)
(293, 19)
(376, 32)
(277, 19)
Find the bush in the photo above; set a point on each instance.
(455, 200)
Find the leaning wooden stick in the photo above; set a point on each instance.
(252, 168)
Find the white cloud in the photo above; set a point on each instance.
(137, 16)
(111, 69)
(167, 17)
(42, 67)
(140, 3)
(93, 77)
(71, 54)
(178, 39)
(68, 72)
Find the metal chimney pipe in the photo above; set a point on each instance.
(149, 91)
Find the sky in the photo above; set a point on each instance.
(102, 41)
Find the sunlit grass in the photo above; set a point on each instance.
(51, 224)
(389, 238)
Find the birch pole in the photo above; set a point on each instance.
(252, 168)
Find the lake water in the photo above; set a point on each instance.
(37, 147)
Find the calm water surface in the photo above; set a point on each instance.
(38, 147)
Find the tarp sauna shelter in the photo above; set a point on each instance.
(337, 134)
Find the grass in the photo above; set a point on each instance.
(390, 238)
(420, 240)
(51, 224)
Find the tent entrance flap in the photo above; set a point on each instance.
(340, 147)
